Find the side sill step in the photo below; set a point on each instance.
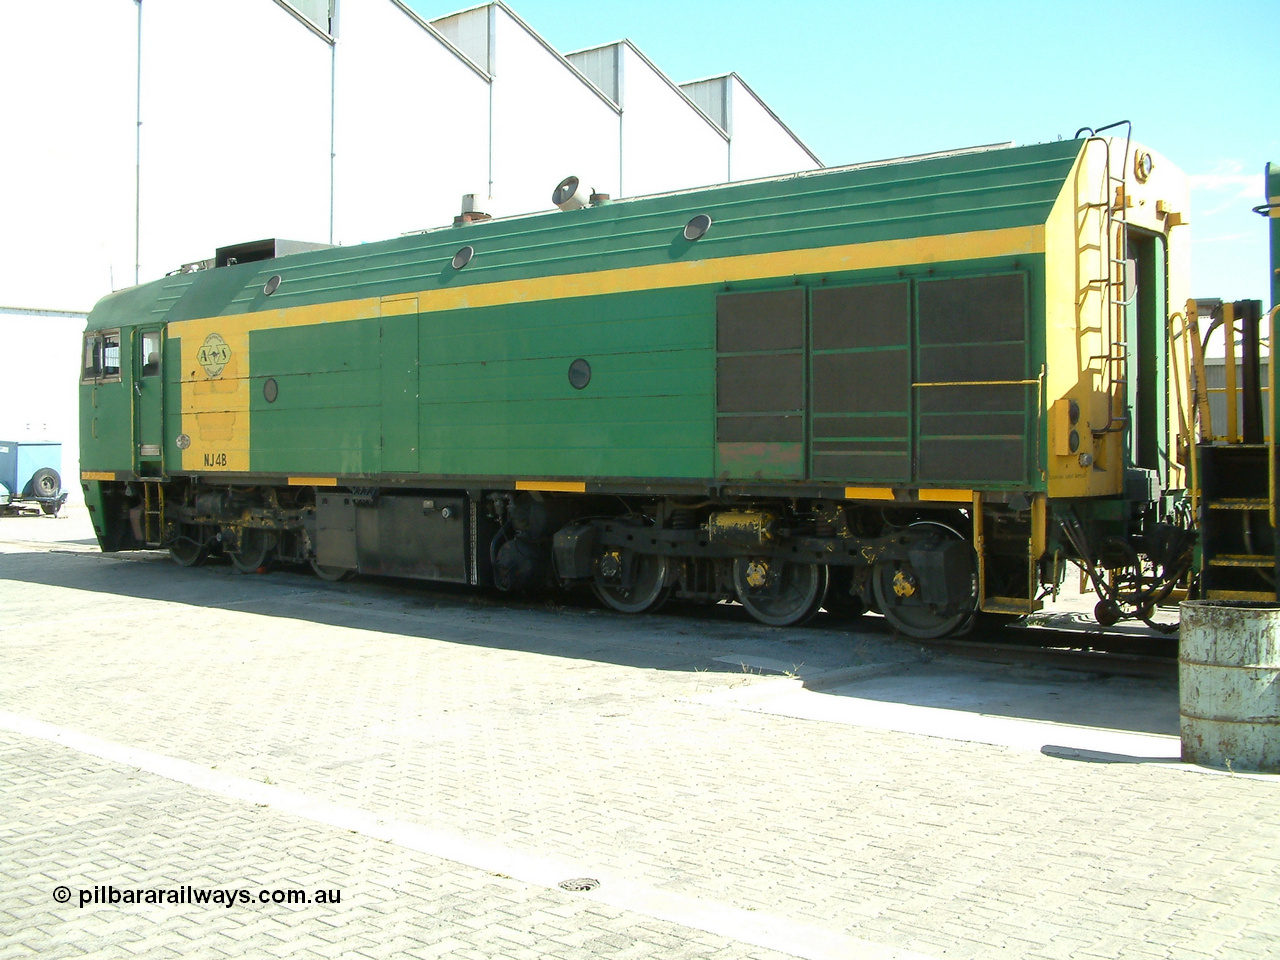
(1017, 606)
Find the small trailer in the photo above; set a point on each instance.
(29, 478)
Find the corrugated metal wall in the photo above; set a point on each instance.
(1216, 374)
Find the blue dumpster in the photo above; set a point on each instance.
(29, 474)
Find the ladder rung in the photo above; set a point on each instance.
(1240, 503)
(1242, 560)
(1240, 595)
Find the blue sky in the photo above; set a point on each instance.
(861, 81)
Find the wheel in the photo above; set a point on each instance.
(253, 551)
(1107, 613)
(779, 593)
(45, 483)
(631, 582)
(897, 592)
(50, 508)
(191, 548)
(840, 601)
(332, 574)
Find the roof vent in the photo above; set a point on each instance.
(571, 195)
(469, 212)
(256, 250)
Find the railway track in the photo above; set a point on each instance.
(1134, 652)
(1062, 640)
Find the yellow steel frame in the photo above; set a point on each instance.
(1035, 550)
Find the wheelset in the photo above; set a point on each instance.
(901, 596)
(631, 582)
(779, 593)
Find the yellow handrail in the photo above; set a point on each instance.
(1197, 360)
(1229, 371)
(979, 383)
(1186, 413)
(1271, 434)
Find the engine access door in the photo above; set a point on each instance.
(399, 339)
(760, 396)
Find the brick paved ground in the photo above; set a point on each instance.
(482, 751)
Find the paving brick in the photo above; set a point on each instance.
(559, 732)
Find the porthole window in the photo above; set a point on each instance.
(696, 228)
(579, 374)
(1142, 166)
(270, 390)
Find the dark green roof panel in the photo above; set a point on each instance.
(986, 190)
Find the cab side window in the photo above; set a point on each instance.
(101, 356)
(92, 358)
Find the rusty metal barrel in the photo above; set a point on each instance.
(1229, 684)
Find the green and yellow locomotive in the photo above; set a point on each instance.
(922, 386)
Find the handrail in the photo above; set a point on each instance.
(1197, 360)
(1186, 415)
(979, 383)
(1040, 428)
(1271, 434)
(1229, 371)
(1199, 401)
(1112, 327)
(1040, 411)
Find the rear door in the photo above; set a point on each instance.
(148, 401)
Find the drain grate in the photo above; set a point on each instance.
(579, 884)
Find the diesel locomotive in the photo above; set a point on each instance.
(926, 387)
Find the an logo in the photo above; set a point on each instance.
(213, 354)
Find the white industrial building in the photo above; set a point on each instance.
(143, 134)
